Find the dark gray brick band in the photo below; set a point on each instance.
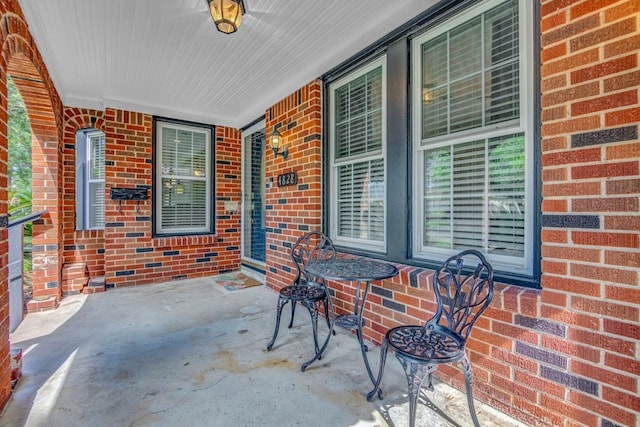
(541, 355)
(628, 133)
(394, 305)
(569, 380)
(571, 221)
(382, 292)
(125, 273)
(541, 325)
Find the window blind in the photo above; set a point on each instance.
(474, 195)
(470, 74)
(361, 200)
(358, 115)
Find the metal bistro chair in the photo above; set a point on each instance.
(462, 295)
(306, 289)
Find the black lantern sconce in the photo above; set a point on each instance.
(276, 141)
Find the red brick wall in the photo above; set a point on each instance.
(568, 354)
(86, 246)
(132, 256)
(125, 252)
(590, 77)
(21, 59)
(291, 211)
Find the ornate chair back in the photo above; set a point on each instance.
(463, 292)
(312, 246)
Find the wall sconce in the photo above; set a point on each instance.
(276, 141)
(227, 14)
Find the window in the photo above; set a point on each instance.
(183, 190)
(357, 150)
(473, 140)
(89, 179)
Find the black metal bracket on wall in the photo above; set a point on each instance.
(137, 194)
(4, 221)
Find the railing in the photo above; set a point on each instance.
(16, 257)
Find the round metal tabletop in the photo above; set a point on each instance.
(351, 269)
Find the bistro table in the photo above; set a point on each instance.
(362, 271)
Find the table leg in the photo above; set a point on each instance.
(359, 310)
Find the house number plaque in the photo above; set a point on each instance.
(289, 178)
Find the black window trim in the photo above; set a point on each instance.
(212, 129)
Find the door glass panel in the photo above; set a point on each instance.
(253, 214)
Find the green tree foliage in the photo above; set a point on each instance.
(19, 134)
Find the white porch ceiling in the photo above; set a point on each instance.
(165, 57)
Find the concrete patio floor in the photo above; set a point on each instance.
(193, 353)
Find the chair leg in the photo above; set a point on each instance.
(281, 303)
(416, 374)
(383, 359)
(313, 312)
(293, 312)
(326, 315)
(468, 380)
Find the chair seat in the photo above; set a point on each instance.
(437, 345)
(309, 293)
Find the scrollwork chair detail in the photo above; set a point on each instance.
(462, 295)
(306, 289)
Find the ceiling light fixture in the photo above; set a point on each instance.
(227, 14)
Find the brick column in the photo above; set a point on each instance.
(293, 210)
(591, 208)
(85, 246)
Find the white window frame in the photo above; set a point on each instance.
(84, 210)
(208, 228)
(525, 125)
(361, 244)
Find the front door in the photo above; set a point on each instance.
(253, 195)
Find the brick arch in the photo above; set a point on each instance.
(86, 246)
(20, 59)
(25, 66)
(81, 118)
